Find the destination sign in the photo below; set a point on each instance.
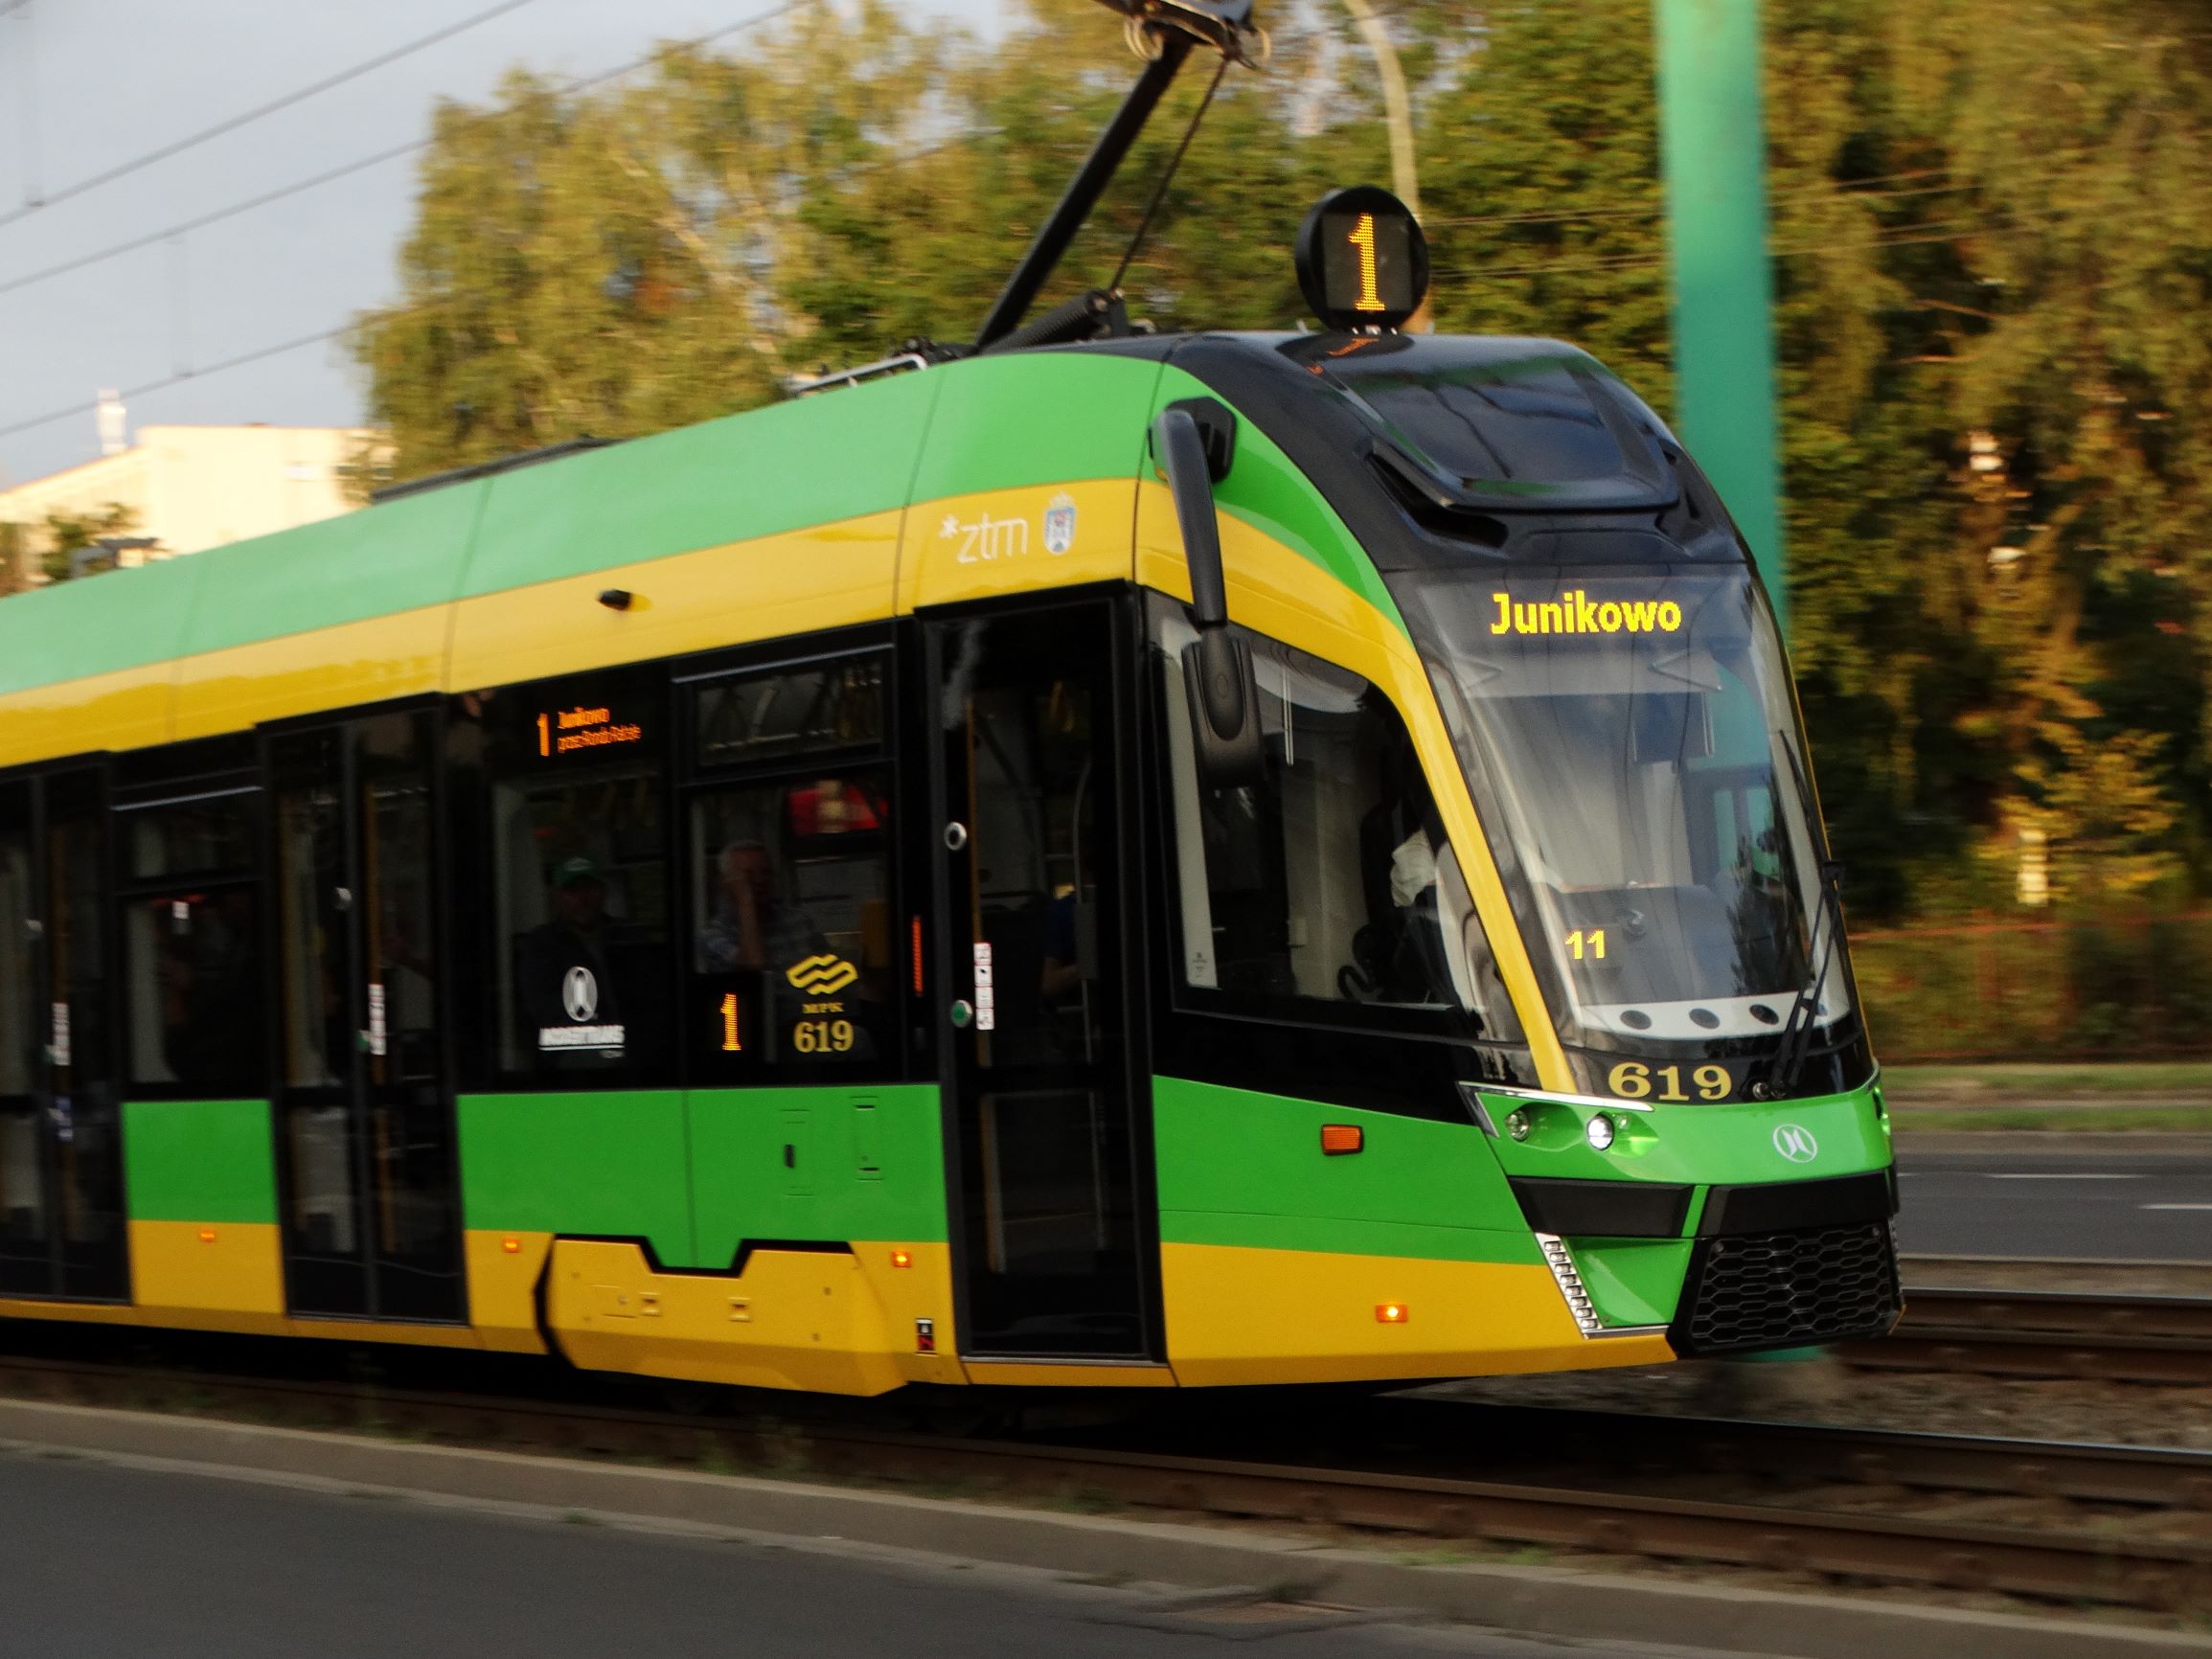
(1362, 260)
(581, 730)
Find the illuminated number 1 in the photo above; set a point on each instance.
(545, 733)
(1362, 237)
(730, 1043)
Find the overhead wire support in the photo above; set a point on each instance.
(1163, 32)
(247, 118)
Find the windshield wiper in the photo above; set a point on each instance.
(1795, 1046)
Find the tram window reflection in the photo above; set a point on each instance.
(582, 902)
(191, 837)
(16, 1001)
(790, 957)
(193, 972)
(1333, 880)
(750, 718)
(579, 848)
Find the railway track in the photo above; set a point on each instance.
(2115, 1526)
(2129, 1337)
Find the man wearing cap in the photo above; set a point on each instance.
(566, 979)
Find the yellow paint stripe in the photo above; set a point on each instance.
(227, 1276)
(993, 542)
(1239, 1315)
(502, 1271)
(224, 1276)
(796, 1319)
(802, 581)
(126, 710)
(1287, 597)
(333, 667)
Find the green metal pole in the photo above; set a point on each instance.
(1713, 153)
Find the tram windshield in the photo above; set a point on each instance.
(1631, 740)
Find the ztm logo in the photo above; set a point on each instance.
(821, 975)
(1796, 1142)
(579, 995)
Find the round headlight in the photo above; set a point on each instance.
(1600, 1131)
(1516, 1125)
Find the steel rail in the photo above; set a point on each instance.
(2048, 1333)
(2158, 1477)
(2105, 1567)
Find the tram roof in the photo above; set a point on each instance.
(813, 461)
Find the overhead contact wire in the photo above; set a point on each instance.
(79, 262)
(329, 83)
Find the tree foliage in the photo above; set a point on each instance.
(1992, 245)
(70, 532)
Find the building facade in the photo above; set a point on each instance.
(181, 489)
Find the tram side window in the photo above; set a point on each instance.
(16, 1002)
(791, 955)
(191, 946)
(579, 876)
(1331, 881)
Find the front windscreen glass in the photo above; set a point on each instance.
(1634, 750)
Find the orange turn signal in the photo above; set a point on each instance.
(512, 1246)
(1390, 1313)
(901, 1259)
(207, 1234)
(1337, 1138)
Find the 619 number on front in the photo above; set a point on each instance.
(1636, 1081)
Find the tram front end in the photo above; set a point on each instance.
(1512, 880)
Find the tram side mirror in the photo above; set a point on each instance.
(1224, 695)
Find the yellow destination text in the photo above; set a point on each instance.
(1575, 613)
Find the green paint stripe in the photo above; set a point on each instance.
(610, 1163)
(199, 1161)
(1338, 1235)
(1265, 491)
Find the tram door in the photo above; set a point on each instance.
(62, 1222)
(1053, 1238)
(365, 1143)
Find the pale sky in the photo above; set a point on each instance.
(88, 84)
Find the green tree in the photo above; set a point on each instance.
(70, 532)
(1993, 252)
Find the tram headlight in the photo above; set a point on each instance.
(1599, 1132)
(1516, 1124)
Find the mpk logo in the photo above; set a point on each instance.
(821, 975)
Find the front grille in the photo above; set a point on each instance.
(1785, 1289)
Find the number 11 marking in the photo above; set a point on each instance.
(1362, 237)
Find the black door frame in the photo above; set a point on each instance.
(37, 780)
(949, 955)
(357, 1091)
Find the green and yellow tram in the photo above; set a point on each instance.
(1139, 860)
